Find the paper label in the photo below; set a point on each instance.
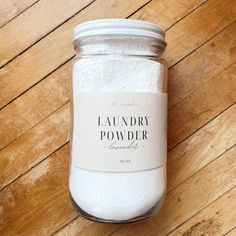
(119, 131)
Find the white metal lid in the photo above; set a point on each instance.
(126, 27)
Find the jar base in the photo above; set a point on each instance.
(142, 217)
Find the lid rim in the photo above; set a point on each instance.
(119, 27)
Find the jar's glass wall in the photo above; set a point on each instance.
(119, 45)
(94, 193)
(108, 65)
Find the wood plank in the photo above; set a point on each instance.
(189, 198)
(202, 65)
(61, 47)
(197, 28)
(166, 13)
(34, 146)
(35, 186)
(9, 9)
(43, 16)
(201, 106)
(45, 218)
(217, 219)
(46, 97)
(201, 148)
(35, 105)
(74, 228)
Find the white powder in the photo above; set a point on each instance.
(117, 196)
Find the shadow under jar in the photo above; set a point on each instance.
(119, 111)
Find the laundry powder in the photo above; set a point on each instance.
(118, 136)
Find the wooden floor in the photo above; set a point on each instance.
(35, 70)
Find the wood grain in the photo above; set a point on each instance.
(9, 9)
(166, 12)
(201, 148)
(34, 146)
(35, 105)
(45, 218)
(202, 65)
(43, 16)
(211, 99)
(217, 219)
(74, 228)
(35, 186)
(197, 28)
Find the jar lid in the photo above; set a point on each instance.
(127, 27)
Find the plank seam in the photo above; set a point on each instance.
(76, 217)
(46, 199)
(114, 231)
(202, 44)
(44, 77)
(203, 84)
(207, 122)
(194, 9)
(45, 116)
(201, 210)
(58, 26)
(228, 149)
(147, 3)
(36, 164)
(19, 14)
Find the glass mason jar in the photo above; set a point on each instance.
(119, 111)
